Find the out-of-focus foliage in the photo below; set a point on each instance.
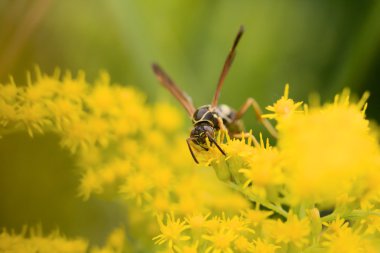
(314, 45)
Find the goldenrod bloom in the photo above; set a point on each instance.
(171, 232)
(258, 198)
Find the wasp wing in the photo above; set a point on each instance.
(226, 67)
(165, 80)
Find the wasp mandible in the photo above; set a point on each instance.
(209, 119)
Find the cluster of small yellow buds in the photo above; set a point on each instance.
(123, 147)
(316, 190)
(324, 170)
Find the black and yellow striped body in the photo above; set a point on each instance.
(207, 120)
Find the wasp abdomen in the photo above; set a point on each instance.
(228, 116)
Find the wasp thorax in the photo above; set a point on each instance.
(205, 114)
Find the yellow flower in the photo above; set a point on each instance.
(9, 92)
(213, 224)
(34, 117)
(372, 223)
(188, 248)
(227, 168)
(171, 232)
(8, 113)
(328, 152)
(89, 184)
(283, 108)
(36, 242)
(293, 231)
(73, 89)
(256, 217)
(336, 225)
(197, 221)
(340, 237)
(167, 117)
(161, 203)
(115, 242)
(221, 241)
(42, 90)
(344, 240)
(101, 100)
(236, 224)
(64, 112)
(241, 244)
(326, 158)
(264, 247)
(76, 136)
(137, 187)
(264, 167)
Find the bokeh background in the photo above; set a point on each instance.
(316, 46)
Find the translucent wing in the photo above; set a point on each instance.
(226, 67)
(165, 80)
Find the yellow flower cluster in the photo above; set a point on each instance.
(123, 147)
(32, 240)
(317, 190)
(324, 170)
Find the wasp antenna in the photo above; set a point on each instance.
(227, 65)
(191, 150)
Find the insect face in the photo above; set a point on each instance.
(200, 132)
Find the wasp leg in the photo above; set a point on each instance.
(223, 128)
(188, 140)
(221, 125)
(252, 102)
(247, 135)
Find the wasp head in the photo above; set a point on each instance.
(200, 133)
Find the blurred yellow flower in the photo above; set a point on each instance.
(294, 231)
(326, 151)
(256, 217)
(36, 242)
(264, 247)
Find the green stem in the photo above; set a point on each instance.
(276, 208)
(350, 216)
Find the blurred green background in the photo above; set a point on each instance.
(319, 46)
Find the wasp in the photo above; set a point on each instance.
(209, 119)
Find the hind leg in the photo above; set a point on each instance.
(252, 102)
